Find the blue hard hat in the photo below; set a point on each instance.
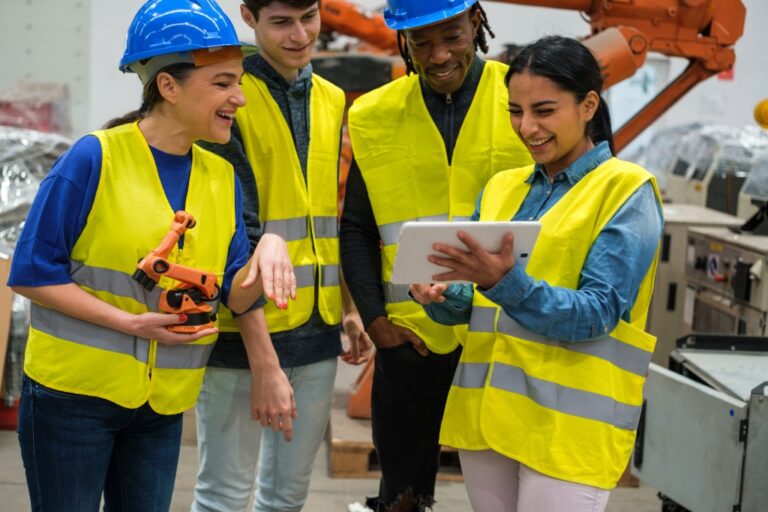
(405, 14)
(163, 27)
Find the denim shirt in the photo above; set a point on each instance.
(611, 276)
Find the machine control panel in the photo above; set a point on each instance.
(725, 274)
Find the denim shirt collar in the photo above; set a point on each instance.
(587, 162)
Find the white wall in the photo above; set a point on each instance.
(47, 41)
(86, 55)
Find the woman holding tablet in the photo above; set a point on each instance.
(547, 396)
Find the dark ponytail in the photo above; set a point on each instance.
(151, 95)
(570, 65)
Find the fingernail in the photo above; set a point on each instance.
(182, 317)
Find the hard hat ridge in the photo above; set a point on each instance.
(174, 30)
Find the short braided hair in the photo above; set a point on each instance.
(481, 40)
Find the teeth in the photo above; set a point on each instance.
(226, 115)
(538, 142)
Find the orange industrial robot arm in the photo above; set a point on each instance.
(195, 288)
(624, 31)
(347, 18)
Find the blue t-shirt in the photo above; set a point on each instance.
(61, 207)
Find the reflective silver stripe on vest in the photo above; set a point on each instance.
(471, 375)
(305, 276)
(182, 357)
(390, 233)
(482, 319)
(618, 353)
(396, 293)
(77, 331)
(115, 282)
(461, 218)
(288, 229)
(326, 227)
(120, 284)
(329, 275)
(575, 402)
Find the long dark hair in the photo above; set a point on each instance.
(572, 67)
(481, 40)
(151, 95)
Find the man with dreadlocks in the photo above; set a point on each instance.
(424, 146)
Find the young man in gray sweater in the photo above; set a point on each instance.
(285, 149)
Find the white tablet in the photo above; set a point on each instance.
(417, 239)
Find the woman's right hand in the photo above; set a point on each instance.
(428, 293)
(153, 326)
(272, 263)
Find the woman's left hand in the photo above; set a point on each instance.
(474, 264)
(272, 263)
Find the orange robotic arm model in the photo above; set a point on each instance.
(624, 31)
(347, 18)
(196, 286)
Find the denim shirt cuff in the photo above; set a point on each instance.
(511, 289)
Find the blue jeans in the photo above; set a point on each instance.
(75, 447)
(231, 445)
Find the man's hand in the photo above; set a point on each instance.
(272, 263)
(474, 264)
(359, 343)
(272, 400)
(427, 293)
(385, 334)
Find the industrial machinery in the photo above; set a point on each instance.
(716, 179)
(703, 435)
(755, 190)
(665, 143)
(665, 316)
(693, 147)
(622, 34)
(727, 279)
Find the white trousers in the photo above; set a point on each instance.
(496, 483)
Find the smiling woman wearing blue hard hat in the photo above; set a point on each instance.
(106, 380)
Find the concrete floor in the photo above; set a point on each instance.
(326, 494)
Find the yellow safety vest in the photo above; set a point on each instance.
(303, 213)
(566, 409)
(130, 216)
(404, 164)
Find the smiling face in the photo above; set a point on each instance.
(285, 35)
(442, 53)
(207, 100)
(549, 120)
